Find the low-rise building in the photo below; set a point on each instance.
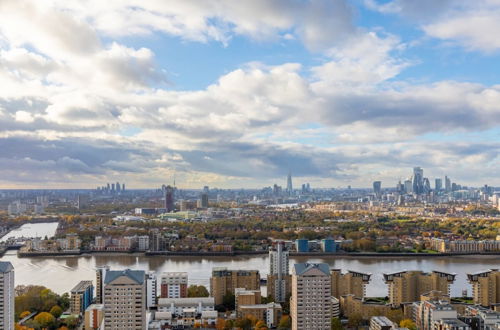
(94, 316)
(270, 313)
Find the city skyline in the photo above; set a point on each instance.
(339, 92)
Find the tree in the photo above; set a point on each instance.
(45, 319)
(355, 320)
(228, 301)
(336, 324)
(261, 325)
(56, 311)
(197, 291)
(407, 323)
(285, 323)
(71, 322)
(24, 314)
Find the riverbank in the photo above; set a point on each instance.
(251, 253)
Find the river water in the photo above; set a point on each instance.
(62, 273)
(32, 230)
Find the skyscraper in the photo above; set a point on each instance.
(418, 180)
(377, 188)
(289, 187)
(6, 295)
(311, 303)
(125, 299)
(447, 184)
(118, 186)
(279, 279)
(438, 184)
(169, 198)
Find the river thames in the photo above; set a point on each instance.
(62, 273)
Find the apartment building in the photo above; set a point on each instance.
(6, 295)
(125, 300)
(269, 313)
(381, 323)
(246, 297)
(428, 312)
(99, 286)
(94, 315)
(349, 283)
(485, 287)
(279, 279)
(81, 297)
(173, 285)
(225, 281)
(310, 305)
(408, 286)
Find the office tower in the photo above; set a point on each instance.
(108, 187)
(169, 199)
(118, 187)
(408, 286)
(224, 281)
(125, 299)
(289, 187)
(418, 180)
(311, 303)
(151, 290)
(485, 287)
(349, 283)
(447, 184)
(381, 323)
(81, 297)
(428, 312)
(408, 186)
(113, 187)
(6, 295)
(123, 186)
(82, 201)
(94, 315)
(173, 285)
(279, 279)
(377, 188)
(203, 203)
(426, 186)
(99, 284)
(438, 184)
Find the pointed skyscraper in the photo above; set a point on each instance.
(289, 187)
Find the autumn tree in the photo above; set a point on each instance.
(197, 291)
(407, 323)
(285, 322)
(56, 311)
(45, 319)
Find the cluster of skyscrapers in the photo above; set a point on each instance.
(112, 188)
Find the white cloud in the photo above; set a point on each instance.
(66, 103)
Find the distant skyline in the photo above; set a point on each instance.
(237, 94)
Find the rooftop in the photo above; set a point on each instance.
(135, 275)
(82, 286)
(303, 268)
(6, 266)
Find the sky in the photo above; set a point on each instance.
(235, 94)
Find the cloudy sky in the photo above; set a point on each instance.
(235, 94)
